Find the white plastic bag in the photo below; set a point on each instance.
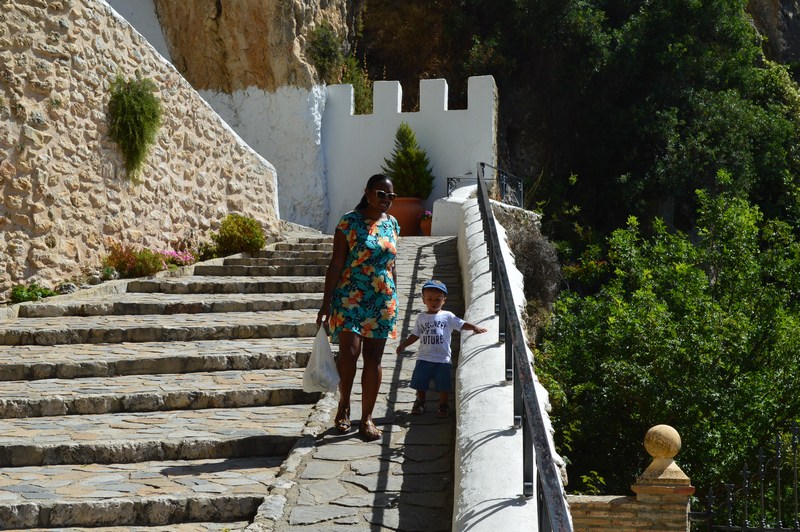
(321, 374)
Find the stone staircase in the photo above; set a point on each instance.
(174, 402)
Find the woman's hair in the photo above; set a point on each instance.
(371, 182)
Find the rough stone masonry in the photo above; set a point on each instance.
(65, 192)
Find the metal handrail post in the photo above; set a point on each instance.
(528, 474)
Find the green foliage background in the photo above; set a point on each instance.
(700, 333)
(325, 50)
(238, 234)
(30, 292)
(643, 102)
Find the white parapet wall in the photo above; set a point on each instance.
(355, 146)
(488, 462)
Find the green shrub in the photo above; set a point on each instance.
(325, 50)
(134, 116)
(238, 234)
(357, 76)
(207, 251)
(130, 262)
(536, 257)
(409, 167)
(31, 292)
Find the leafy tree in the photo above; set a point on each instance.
(643, 102)
(700, 333)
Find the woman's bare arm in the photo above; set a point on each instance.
(332, 276)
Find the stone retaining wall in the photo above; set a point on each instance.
(65, 191)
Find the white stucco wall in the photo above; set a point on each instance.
(285, 128)
(141, 14)
(355, 146)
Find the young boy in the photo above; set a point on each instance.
(434, 327)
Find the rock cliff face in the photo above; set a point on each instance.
(779, 22)
(228, 45)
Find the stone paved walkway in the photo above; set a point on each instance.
(404, 481)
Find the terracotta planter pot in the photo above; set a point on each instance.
(425, 225)
(407, 211)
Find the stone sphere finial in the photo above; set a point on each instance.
(663, 478)
(662, 441)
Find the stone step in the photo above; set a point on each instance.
(145, 436)
(146, 393)
(313, 239)
(155, 328)
(156, 303)
(305, 246)
(283, 258)
(229, 285)
(261, 271)
(225, 493)
(70, 361)
(300, 255)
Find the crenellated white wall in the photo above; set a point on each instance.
(355, 146)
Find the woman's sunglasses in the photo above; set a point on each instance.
(385, 195)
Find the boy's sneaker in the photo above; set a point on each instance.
(444, 410)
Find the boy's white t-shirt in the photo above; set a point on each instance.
(434, 332)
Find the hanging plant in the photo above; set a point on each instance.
(134, 116)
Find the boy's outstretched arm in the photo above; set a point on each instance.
(405, 343)
(474, 328)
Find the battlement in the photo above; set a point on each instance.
(355, 146)
(433, 96)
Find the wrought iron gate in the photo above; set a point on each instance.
(766, 500)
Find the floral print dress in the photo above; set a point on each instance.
(365, 298)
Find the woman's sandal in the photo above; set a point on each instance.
(444, 410)
(418, 408)
(342, 421)
(369, 431)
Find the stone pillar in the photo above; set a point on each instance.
(663, 490)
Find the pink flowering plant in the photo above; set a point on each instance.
(427, 215)
(129, 261)
(178, 258)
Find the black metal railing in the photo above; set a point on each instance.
(763, 498)
(527, 413)
(508, 187)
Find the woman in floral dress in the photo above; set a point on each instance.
(360, 301)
